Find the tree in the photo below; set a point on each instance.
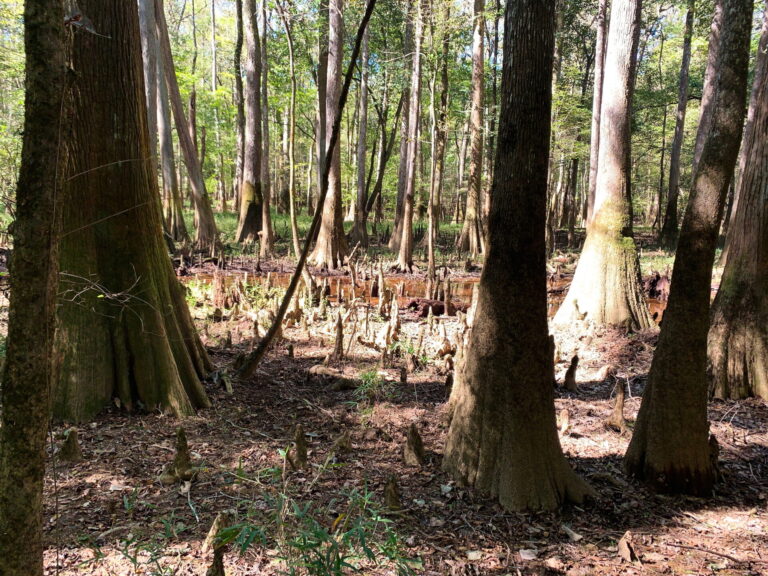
(251, 199)
(359, 230)
(267, 235)
(206, 235)
(331, 246)
(738, 332)
(502, 438)
(597, 101)
(25, 393)
(471, 238)
(606, 285)
(124, 328)
(668, 236)
(405, 252)
(670, 444)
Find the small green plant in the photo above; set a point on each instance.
(373, 388)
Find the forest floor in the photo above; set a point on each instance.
(109, 514)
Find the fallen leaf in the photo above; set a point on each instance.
(626, 549)
(574, 536)
(528, 554)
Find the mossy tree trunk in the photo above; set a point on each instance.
(25, 392)
(670, 445)
(738, 333)
(606, 288)
(503, 439)
(124, 329)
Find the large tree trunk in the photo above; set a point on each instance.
(669, 447)
(250, 220)
(331, 245)
(503, 439)
(149, 52)
(207, 235)
(471, 238)
(124, 332)
(405, 252)
(25, 393)
(606, 287)
(239, 101)
(668, 237)
(738, 334)
(597, 102)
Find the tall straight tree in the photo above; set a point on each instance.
(267, 234)
(597, 101)
(502, 438)
(606, 286)
(359, 230)
(738, 332)
(25, 393)
(670, 448)
(668, 237)
(206, 234)
(239, 100)
(331, 245)
(250, 220)
(124, 328)
(405, 253)
(471, 238)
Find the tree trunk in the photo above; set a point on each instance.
(149, 52)
(670, 447)
(239, 101)
(331, 245)
(207, 235)
(174, 209)
(359, 229)
(738, 334)
(25, 393)
(250, 221)
(124, 329)
(471, 238)
(606, 287)
(502, 438)
(267, 233)
(668, 237)
(597, 102)
(405, 252)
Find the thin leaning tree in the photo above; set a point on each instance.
(738, 332)
(124, 333)
(502, 438)
(25, 393)
(606, 288)
(670, 445)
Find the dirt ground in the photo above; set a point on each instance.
(109, 514)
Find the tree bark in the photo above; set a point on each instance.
(206, 235)
(331, 245)
(502, 438)
(738, 333)
(25, 393)
(405, 252)
(360, 230)
(250, 221)
(124, 329)
(606, 288)
(597, 102)
(239, 101)
(471, 238)
(267, 234)
(670, 448)
(149, 52)
(668, 237)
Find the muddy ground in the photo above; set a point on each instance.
(109, 514)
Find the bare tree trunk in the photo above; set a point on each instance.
(472, 235)
(267, 233)
(239, 101)
(597, 102)
(668, 237)
(670, 443)
(359, 229)
(738, 333)
(26, 390)
(207, 235)
(250, 221)
(149, 52)
(502, 439)
(606, 286)
(405, 254)
(331, 245)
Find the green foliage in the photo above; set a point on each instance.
(373, 388)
